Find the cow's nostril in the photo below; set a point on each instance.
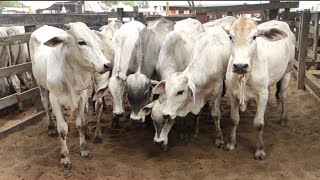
(108, 66)
(240, 66)
(165, 116)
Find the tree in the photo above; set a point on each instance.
(11, 4)
(113, 3)
(143, 4)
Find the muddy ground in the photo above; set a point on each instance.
(292, 152)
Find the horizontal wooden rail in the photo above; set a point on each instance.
(17, 39)
(17, 69)
(313, 79)
(15, 98)
(248, 7)
(43, 19)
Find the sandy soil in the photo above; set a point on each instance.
(292, 152)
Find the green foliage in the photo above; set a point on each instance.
(143, 4)
(11, 4)
(129, 3)
(113, 3)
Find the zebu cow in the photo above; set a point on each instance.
(174, 57)
(262, 55)
(4, 62)
(104, 37)
(219, 22)
(136, 51)
(63, 63)
(188, 91)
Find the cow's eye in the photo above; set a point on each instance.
(179, 93)
(81, 43)
(254, 37)
(230, 37)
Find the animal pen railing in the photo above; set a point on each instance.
(305, 25)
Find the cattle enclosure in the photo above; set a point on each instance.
(302, 24)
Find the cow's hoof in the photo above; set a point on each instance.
(165, 147)
(228, 147)
(260, 155)
(97, 139)
(65, 164)
(86, 155)
(52, 132)
(219, 144)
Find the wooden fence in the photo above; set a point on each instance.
(305, 25)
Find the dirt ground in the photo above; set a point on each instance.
(292, 152)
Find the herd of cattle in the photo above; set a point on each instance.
(181, 65)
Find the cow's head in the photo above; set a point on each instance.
(155, 108)
(138, 86)
(180, 95)
(244, 34)
(81, 48)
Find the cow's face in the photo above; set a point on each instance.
(180, 95)
(243, 34)
(137, 86)
(81, 48)
(155, 108)
(117, 84)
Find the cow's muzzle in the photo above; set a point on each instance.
(240, 68)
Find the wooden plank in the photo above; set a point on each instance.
(22, 124)
(248, 7)
(310, 53)
(8, 101)
(295, 72)
(316, 35)
(48, 19)
(295, 63)
(16, 69)
(313, 79)
(17, 39)
(310, 90)
(26, 95)
(303, 47)
(120, 14)
(312, 29)
(171, 18)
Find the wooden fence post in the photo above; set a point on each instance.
(120, 14)
(135, 12)
(303, 47)
(316, 34)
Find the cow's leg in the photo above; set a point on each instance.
(46, 104)
(164, 134)
(258, 123)
(82, 126)
(16, 85)
(216, 115)
(234, 116)
(97, 133)
(196, 128)
(284, 83)
(62, 127)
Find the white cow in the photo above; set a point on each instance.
(104, 38)
(219, 22)
(174, 57)
(262, 55)
(4, 62)
(188, 91)
(63, 63)
(136, 51)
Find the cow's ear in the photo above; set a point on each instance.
(192, 91)
(159, 88)
(153, 83)
(146, 109)
(55, 41)
(102, 91)
(272, 34)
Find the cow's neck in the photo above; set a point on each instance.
(76, 77)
